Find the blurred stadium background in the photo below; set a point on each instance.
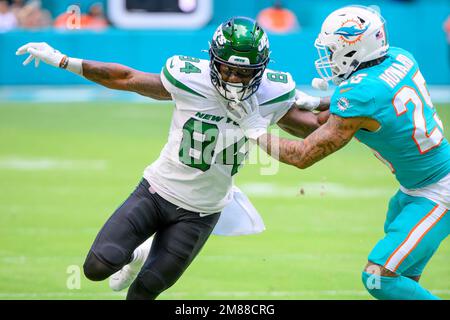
(71, 151)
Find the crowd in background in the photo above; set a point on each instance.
(23, 14)
(31, 15)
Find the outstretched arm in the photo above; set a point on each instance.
(330, 137)
(110, 75)
(119, 77)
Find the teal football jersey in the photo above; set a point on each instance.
(411, 139)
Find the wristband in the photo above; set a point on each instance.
(72, 64)
(64, 62)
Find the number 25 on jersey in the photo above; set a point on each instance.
(416, 96)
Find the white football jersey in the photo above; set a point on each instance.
(205, 148)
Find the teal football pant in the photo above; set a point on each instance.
(415, 227)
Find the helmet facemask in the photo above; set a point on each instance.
(328, 67)
(235, 91)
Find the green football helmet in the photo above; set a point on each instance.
(239, 43)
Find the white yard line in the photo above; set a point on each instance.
(35, 164)
(328, 189)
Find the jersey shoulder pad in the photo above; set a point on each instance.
(275, 95)
(395, 52)
(276, 87)
(187, 76)
(356, 96)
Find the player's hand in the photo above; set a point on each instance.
(246, 114)
(323, 116)
(41, 51)
(306, 102)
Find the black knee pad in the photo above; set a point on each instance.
(96, 270)
(147, 286)
(112, 254)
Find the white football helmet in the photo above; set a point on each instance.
(349, 36)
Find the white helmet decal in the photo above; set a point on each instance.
(219, 37)
(263, 43)
(239, 60)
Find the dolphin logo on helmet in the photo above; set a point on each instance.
(353, 31)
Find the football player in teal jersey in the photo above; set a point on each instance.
(382, 100)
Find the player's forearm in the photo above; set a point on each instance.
(288, 151)
(110, 75)
(120, 77)
(327, 139)
(299, 123)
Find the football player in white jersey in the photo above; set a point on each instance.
(183, 193)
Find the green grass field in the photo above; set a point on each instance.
(65, 168)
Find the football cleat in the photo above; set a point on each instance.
(123, 278)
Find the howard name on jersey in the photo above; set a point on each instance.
(411, 139)
(205, 148)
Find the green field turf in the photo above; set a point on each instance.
(65, 168)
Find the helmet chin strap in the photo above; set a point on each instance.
(338, 79)
(353, 66)
(355, 63)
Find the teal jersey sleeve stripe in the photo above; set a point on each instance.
(282, 98)
(179, 84)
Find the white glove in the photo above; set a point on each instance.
(246, 114)
(306, 102)
(42, 51)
